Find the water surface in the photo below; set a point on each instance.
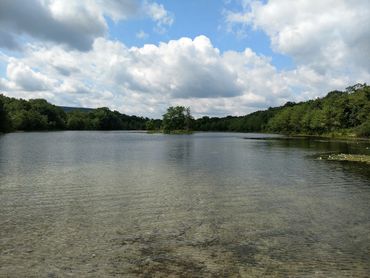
(105, 204)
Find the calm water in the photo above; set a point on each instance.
(101, 204)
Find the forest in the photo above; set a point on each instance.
(39, 115)
(339, 113)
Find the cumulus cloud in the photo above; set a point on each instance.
(53, 21)
(146, 80)
(23, 77)
(117, 9)
(325, 35)
(75, 24)
(182, 68)
(159, 14)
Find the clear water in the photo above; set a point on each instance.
(105, 204)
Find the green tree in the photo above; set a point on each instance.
(5, 123)
(188, 119)
(177, 118)
(104, 119)
(150, 125)
(364, 129)
(29, 120)
(77, 120)
(281, 121)
(56, 117)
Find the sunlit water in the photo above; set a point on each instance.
(102, 204)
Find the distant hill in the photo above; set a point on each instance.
(81, 109)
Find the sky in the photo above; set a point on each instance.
(219, 57)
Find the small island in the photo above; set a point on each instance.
(177, 120)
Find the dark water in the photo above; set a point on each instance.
(102, 204)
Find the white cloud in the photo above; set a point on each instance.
(75, 24)
(117, 9)
(23, 77)
(325, 35)
(70, 23)
(146, 80)
(159, 14)
(142, 35)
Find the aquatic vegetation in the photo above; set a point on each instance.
(347, 157)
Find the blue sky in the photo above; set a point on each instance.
(194, 18)
(226, 57)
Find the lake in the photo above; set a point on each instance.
(105, 204)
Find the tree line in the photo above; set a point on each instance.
(338, 113)
(39, 115)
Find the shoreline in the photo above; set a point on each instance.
(285, 136)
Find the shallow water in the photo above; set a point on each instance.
(105, 204)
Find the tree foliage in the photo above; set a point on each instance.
(344, 112)
(38, 114)
(338, 111)
(177, 118)
(153, 124)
